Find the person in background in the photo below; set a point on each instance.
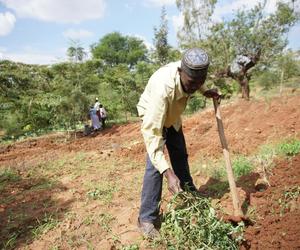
(97, 108)
(103, 115)
(94, 118)
(160, 107)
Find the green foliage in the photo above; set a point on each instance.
(268, 79)
(241, 166)
(162, 48)
(289, 147)
(114, 49)
(191, 223)
(225, 88)
(196, 102)
(130, 247)
(103, 192)
(76, 53)
(250, 32)
(197, 18)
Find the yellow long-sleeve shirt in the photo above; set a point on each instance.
(161, 105)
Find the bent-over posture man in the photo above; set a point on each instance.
(160, 107)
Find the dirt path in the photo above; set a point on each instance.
(87, 191)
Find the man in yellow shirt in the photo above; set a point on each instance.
(160, 107)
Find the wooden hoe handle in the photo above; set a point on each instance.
(236, 204)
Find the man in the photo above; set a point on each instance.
(160, 108)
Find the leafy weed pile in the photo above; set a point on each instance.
(190, 222)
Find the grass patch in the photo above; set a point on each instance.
(44, 225)
(103, 192)
(8, 176)
(191, 223)
(130, 247)
(105, 220)
(241, 166)
(11, 242)
(289, 147)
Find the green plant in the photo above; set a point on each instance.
(44, 225)
(289, 147)
(102, 192)
(104, 220)
(130, 247)
(289, 195)
(241, 166)
(11, 241)
(191, 223)
(6, 176)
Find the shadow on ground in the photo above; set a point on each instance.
(216, 189)
(27, 208)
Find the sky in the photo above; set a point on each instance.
(40, 31)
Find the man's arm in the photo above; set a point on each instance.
(212, 93)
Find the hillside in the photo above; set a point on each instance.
(63, 193)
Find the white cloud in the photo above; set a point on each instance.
(160, 2)
(77, 34)
(65, 11)
(7, 23)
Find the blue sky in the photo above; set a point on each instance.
(40, 31)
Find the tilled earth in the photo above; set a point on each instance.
(56, 174)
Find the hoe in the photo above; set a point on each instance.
(237, 210)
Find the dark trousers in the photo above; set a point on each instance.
(152, 185)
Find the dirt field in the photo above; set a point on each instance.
(84, 193)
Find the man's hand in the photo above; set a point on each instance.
(212, 93)
(173, 181)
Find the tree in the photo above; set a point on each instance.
(162, 48)
(196, 21)
(115, 49)
(75, 52)
(252, 34)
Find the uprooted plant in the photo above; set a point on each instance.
(190, 222)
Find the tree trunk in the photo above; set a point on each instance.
(244, 83)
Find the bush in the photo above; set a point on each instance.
(268, 79)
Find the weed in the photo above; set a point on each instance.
(130, 247)
(88, 220)
(102, 192)
(7, 176)
(241, 166)
(44, 225)
(11, 241)
(252, 214)
(289, 195)
(191, 223)
(105, 220)
(289, 147)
